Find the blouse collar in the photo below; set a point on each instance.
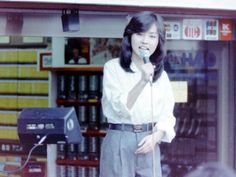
(134, 67)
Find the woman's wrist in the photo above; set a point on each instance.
(158, 135)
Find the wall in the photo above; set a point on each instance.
(48, 23)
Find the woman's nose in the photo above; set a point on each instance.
(144, 40)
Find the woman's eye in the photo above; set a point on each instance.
(153, 36)
(140, 34)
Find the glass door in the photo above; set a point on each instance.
(199, 64)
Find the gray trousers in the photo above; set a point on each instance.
(119, 160)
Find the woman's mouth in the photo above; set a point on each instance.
(143, 48)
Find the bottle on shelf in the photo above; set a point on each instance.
(83, 149)
(71, 87)
(83, 171)
(93, 117)
(93, 172)
(83, 155)
(61, 86)
(82, 116)
(61, 155)
(93, 87)
(93, 148)
(82, 91)
(72, 154)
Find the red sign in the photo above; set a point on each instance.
(192, 32)
(192, 29)
(35, 169)
(226, 30)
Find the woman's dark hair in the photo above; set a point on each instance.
(141, 22)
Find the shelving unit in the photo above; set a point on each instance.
(82, 159)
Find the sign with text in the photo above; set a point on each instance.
(211, 29)
(172, 29)
(182, 59)
(226, 30)
(180, 90)
(192, 29)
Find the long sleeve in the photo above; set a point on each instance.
(167, 120)
(117, 83)
(114, 97)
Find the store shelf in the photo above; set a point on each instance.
(86, 163)
(95, 133)
(81, 68)
(70, 102)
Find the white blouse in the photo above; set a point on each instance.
(116, 85)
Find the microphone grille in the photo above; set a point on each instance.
(145, 54)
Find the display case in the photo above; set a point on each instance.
(197, 119)
(81, 89)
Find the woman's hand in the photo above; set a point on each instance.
(148, 143)
(147, 71)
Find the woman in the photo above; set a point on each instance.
(137, 101)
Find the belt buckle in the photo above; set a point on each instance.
(137, 128)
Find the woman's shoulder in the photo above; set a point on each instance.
(164, 75)
(114, 62)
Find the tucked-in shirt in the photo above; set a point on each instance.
(117, 83)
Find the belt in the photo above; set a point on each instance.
(136, 128)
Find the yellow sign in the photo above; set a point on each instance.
(180, 89)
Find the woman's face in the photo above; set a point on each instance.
(144, 41)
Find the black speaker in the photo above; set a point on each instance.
(70, 21)
(14, 23)
(60, 125)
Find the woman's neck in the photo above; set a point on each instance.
(137, 61)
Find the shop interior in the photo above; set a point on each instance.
(36, 71)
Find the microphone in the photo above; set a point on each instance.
(144, 54)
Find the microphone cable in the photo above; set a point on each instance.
(153, 124)
(28, 157)
(145, 54)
